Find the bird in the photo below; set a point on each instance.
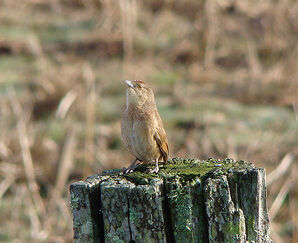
(142, 128)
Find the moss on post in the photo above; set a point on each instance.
(187, 201)
(226, 221)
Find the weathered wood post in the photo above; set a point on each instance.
(187, 201)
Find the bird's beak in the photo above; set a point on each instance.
(129, 83)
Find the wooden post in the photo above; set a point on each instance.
(187, 201)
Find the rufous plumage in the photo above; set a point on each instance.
(142, 128)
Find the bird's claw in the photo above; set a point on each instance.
(155, 170)
(127, 170)
(131, 168)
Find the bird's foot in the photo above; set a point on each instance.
(130, 168)
(127, 170)
(155, 170)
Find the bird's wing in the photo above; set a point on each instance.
(161, 138)
(163, 147)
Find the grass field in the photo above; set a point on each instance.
(225, 79)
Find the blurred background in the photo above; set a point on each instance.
(224, 74)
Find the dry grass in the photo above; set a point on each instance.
(225, 77)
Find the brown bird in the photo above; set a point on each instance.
(141, 127)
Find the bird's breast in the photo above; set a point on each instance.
(138, 128)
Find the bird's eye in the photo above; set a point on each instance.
(138, 86)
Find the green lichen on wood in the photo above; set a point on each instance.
(187, 201)
(183, 179)
(226, 223)
(185, 168)
(115, 209)
(146, 219)
(180, 201)
(132, 212)
(81, 210)
(252, 182)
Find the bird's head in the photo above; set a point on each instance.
(139, 93)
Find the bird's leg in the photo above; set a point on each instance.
(132, 167)
(156, 169)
